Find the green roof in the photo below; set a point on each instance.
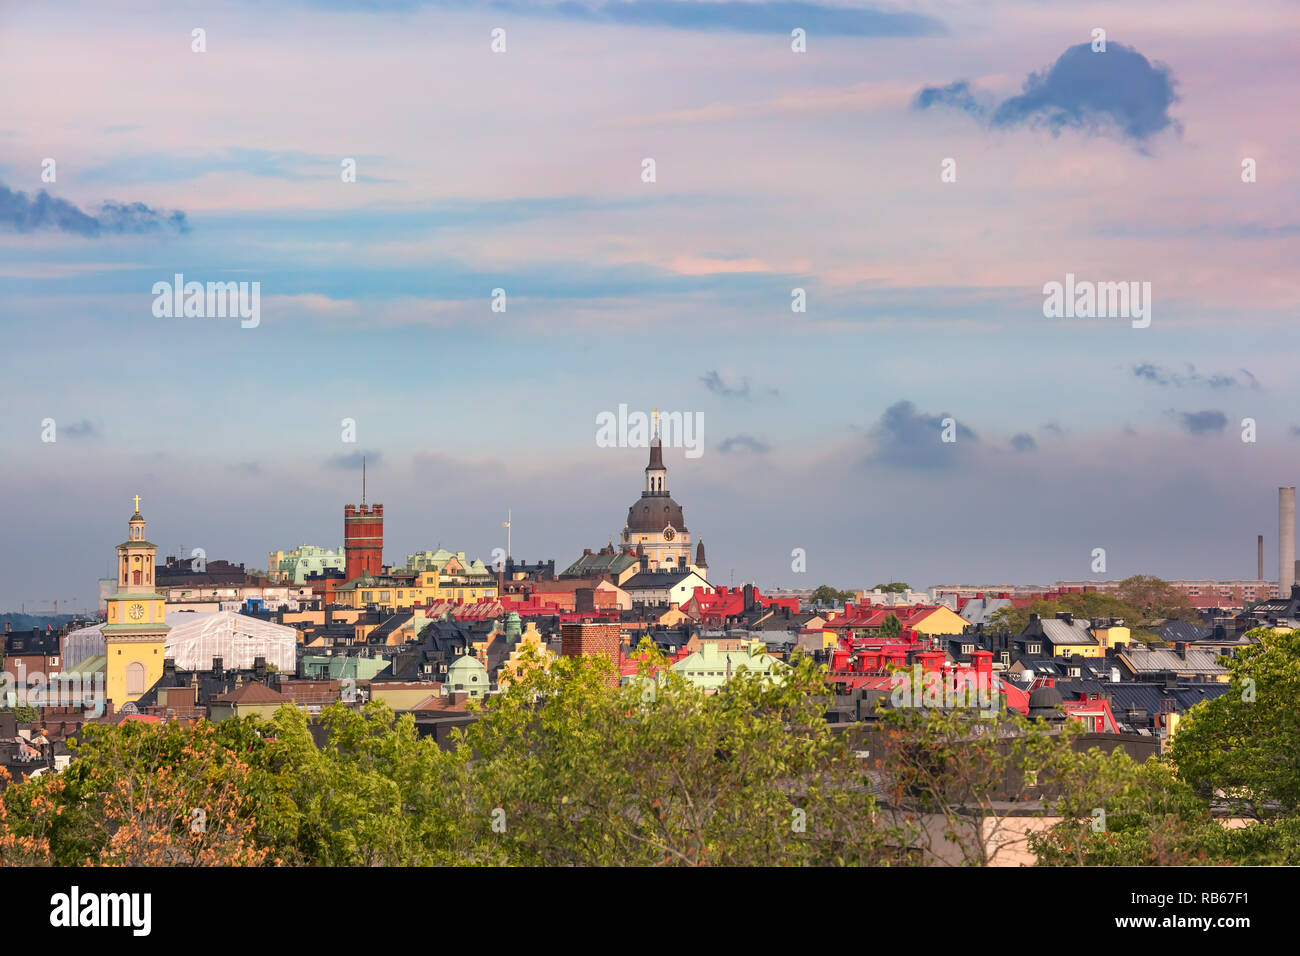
(91, 665)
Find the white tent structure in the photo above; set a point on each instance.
(195, 639)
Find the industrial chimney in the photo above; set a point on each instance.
(1260, 575)
(1285, 541)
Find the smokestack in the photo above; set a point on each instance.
(1260, 576)
(1285, 541)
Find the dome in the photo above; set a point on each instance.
(652, 513)
(1045, 702)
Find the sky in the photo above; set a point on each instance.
(921, 171)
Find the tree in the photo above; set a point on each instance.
(1117, 812)
(1084, 605)
(142, 795)
(827, 595)
(1241, 748)
(1154, 600)
(574, 771)
(890, 627)
(955, 780)
(893, 587)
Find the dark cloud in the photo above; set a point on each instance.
(743, 443)
(1151, 372)
(715, 383)
(351, 461)
(1054, 429)
(22, 214)
(1203, 423)
(956, 95)
(907, 438)
(1024, 442)
(81, 429)
(1118, 93)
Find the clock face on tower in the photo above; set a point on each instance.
(669, 533)
(136, 611)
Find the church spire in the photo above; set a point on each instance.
(655, 472)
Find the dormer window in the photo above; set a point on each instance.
(1035, 648)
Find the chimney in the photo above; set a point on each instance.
(1285, 541)
(218, 671)
(1260, 548)
(1180, 648)
(749, 596)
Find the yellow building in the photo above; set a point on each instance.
(529, 653)
(940, 620)
(1112, 635)
(135, 634)
(429, 577)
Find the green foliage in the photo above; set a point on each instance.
(1141, 602)
(956, 779)
(1118, 812)
(1241, 748)
(893, 587)
(890, 627)
(659, 773)
(827, 595)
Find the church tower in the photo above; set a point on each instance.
(656, 527)
(135, 634)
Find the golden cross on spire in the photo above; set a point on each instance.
(136, 499)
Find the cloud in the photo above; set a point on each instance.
(351, 461)
(714, 383)
(907, 438)
(745, 17)
(1203, 423)
(1294, 431)
(1117, 93)
(81, 429)
(956, 95)
(22, 214)
(1119, 90)
(1054, 429)
(743, 443)
(158, 167)
(1024, 442)
(1149, 371)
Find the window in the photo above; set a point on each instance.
(135, 678)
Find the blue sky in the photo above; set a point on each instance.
(775, 170)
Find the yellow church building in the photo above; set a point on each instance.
(135, 633)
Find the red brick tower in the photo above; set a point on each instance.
(363, 540)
